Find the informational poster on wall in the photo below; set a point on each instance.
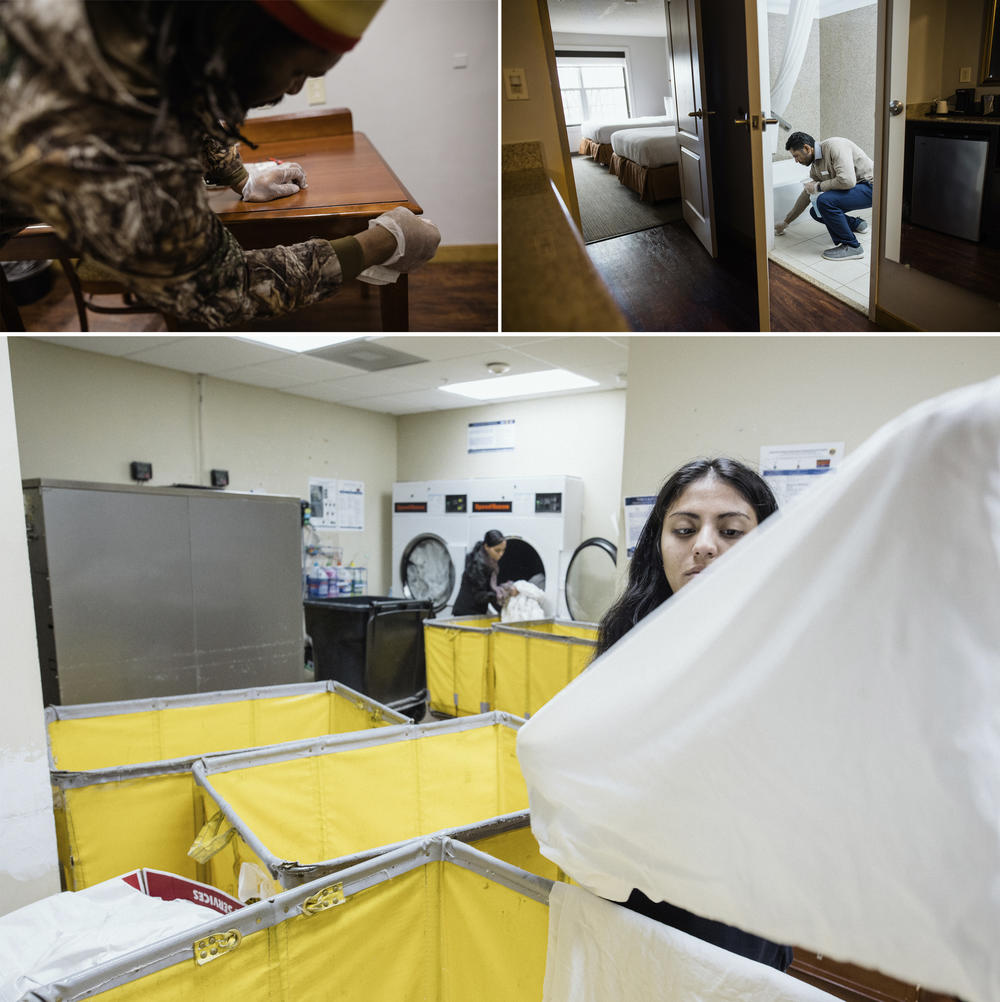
(323, 503)
(791, 469)
(351, 506)
(491, 436)
(637, 511)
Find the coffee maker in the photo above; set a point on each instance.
(965, 100)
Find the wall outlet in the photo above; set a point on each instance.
(459, 61)
(316, 90)
(515, 85)
(965, 74)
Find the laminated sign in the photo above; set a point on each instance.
(805, 742)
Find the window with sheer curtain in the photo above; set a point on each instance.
(593, 85)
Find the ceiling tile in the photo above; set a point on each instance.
(578, 352)
(439, 347)
(289, 371)
(107, 345)
(207, 354)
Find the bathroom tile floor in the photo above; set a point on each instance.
(800, 250)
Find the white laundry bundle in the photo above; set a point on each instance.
(817, 756)
(528, 603)
(599, 951)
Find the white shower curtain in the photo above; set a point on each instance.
(801, 14)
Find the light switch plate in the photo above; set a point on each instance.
(459, 61)
(316, 90)
(965, 74)
(515, 84)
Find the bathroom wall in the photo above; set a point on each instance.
(847, 75)
(803, 111)
(835, 92)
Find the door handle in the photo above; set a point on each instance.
(895, 107)
(767, 122)
(700, 114)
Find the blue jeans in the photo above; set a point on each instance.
(831, 206)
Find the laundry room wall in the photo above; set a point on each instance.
(28, 866)
(579, 435)
(84, 416)
(690, 397)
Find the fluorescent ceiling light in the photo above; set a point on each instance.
(301, 342)
(547, 381)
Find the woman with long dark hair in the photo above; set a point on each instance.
(480, 588)
(740, 501)
(702, 510)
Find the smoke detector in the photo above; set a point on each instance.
(498, 368)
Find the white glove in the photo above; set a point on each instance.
(417, 241)
(811, 187)
(269, 180)
(780, 228)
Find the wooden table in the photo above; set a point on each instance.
(348, 184)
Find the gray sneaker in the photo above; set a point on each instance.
(862, 226)
(843, 252)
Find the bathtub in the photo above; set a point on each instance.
(786, 178)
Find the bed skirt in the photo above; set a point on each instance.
(601, 152)
(652, 184)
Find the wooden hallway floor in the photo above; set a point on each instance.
(663, 280)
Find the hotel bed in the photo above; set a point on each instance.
(646, 160)
(596, 141)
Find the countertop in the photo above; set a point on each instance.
(924, 116)
(549, 281)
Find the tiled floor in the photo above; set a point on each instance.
(800, 249)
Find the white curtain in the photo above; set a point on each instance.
(801, 14)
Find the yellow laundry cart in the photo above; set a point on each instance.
(287, 814)
(458, 654)
(532, 661)
(121, 775)
(434, 920)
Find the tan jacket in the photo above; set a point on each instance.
(839, 164)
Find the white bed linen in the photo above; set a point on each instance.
(805, 742)
(599, 951)
(600, 131)
(647, 147)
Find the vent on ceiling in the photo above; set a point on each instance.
(367, 355)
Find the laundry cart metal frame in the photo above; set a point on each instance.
(116, 817)
(289, 873)
(212, 957)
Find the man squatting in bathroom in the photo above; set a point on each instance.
(841, 176)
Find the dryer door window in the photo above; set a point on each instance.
(521, 562)
(591, 579)
(427, 571)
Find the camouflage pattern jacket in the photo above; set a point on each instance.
(77, 117)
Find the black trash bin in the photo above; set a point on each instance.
(374, 644)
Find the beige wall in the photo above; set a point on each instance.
(28, 865)
(731, 395)
(576, 435)
(963, 45)
(926, 51)
(523, 45)
(84, 416)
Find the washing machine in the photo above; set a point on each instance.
(429, 540)
(542, 518)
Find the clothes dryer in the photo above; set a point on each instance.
(429, 540)
(542, 518)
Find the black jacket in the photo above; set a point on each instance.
(476, 594)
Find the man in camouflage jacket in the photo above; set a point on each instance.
(108, 139)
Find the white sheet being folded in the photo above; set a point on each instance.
(600, 131)
(647, 147)
(601, 952)
(805, 742)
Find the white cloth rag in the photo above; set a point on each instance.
(528, 603)
(384, 273)
(601, 952)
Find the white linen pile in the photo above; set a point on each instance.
(647, 147)
(602, 952)
(600, 131)
(805, 742)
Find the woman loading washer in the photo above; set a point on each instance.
(480, 589)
